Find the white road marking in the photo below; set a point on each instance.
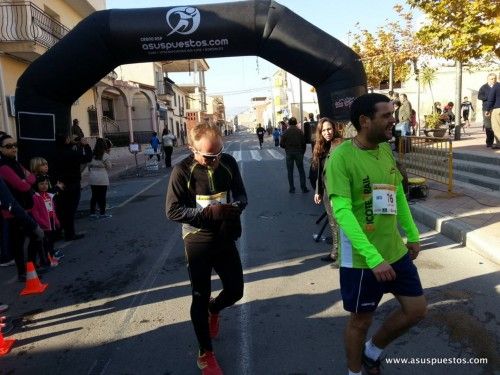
(255, 155)
(245, 332)
(276, 154)
(237, 154)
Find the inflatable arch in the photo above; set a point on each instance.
(109, 38)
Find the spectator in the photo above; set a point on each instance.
(276, 137)
(155, 143)
(404, 116)
(45, 215)
(482, 95)
(19, 181)
(71, 157)
(76, 131)
(99, 179)
(328, 138)
(294, 144)
(493, 110)
(168, 141)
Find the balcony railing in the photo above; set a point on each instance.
(25, 22)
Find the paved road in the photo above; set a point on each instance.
(119, 303)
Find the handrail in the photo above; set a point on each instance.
(109, 122)
(25, 22)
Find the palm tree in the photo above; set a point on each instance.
(428, 77)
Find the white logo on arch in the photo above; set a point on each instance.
(183, 20)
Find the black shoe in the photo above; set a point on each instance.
(370, 366)
(75, 237)
(21, 278)
(306, 190)
(291, 191)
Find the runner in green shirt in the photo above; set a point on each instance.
(368, 200)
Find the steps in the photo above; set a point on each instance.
(478, 170)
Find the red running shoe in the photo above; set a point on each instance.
(208, 364)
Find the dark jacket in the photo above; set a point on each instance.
(189, 180)
(69, 161)
(293, 140)
(483, 94)
(493, 98)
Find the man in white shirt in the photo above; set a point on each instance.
(167, 141)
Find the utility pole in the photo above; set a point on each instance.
(301, 109)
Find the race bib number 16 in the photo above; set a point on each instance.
(384, 199)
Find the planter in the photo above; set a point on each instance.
(437, 133)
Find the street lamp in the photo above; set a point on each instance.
(272, 100)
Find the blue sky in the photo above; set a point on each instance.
(227, 75)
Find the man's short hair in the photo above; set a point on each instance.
(364, 105)
(292, 121)
(404, 96)
(203, 129)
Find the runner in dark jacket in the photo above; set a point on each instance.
(206, 194)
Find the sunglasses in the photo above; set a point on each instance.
(10, 145)
(210, 157)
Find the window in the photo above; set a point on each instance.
(175, 100)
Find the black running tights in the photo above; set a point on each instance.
(223, 257)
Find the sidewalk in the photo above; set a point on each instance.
(470, 216)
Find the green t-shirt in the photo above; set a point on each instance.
(351, 173)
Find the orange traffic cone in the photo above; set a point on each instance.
(5, 345)
(53, 261)
(33, 284)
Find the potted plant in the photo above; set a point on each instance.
(433, 124)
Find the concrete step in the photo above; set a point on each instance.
(474, 167)
(478, 158)
(477, 179)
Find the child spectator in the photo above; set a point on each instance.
(45, 215)
(99, 179)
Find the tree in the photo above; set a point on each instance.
(427, 77)
(460, 30)
(389, 50)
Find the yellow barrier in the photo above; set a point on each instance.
(428, 157)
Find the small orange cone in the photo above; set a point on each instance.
(5, 345)
(33, 284)
(53, 261)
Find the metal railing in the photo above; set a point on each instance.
(428, 157)
(25, 22)
(109, 125)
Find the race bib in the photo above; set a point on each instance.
(384, 199)
(49, 206)
(206, 200)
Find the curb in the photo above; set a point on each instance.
(456, 230)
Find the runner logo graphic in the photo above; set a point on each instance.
(183, 20)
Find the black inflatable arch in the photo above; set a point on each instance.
(109, 38)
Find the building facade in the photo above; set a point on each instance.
(29, 29)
